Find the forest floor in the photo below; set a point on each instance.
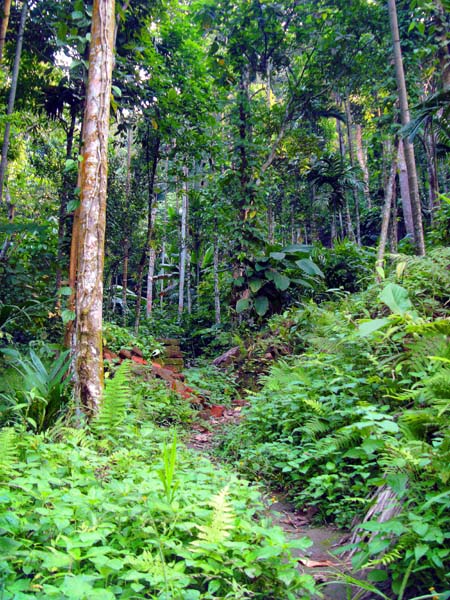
(320, 561)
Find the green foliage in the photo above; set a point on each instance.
(79, 523)
(116, 338)
(349, 415)
(115, 402)
(218, 386)
(272, 273)
(8, 452)
(346, 266)
(40, 392)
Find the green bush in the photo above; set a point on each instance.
(143, 520)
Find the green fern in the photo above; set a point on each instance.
(113, 409)
(222, 521)
(9, 452)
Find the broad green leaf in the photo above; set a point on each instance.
(261, 305)
(255, 285)
(396, 298)
(281, 281)
(242, 304)
(277, 255)
(309, 267)
(371, 326)
(297, 248)
(67, 315)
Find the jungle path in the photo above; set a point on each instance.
(319, 560)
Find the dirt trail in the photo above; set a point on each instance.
(319, 560)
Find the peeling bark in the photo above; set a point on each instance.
(92, 211)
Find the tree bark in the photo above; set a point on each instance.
(443, 43)
(150, 276)
(351, 154)
(152, 166)
(62, 215)
(410, 160)
(92, 211)
(183, 243)
(389, 195)
(126, 237)
(216, 283)
(12, 96)
(404, 191)
(362, 159)
(6, 9)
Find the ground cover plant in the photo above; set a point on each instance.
(121, 510)
(361, 415)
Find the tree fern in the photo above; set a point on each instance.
(9, 453)
(113, 409)
(222, 521)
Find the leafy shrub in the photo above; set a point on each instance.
(362, 408)
(221, 388)
(80, 523)
(345, 266)
(116, 337)
(39, 393)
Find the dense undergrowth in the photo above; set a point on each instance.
(120, 510)
(361, 415)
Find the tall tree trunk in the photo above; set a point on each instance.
(62, 215)
(188, 282)
(443, 43)
(92, 213)
(6, 9)
(216, 282)
(389, 198)
(126, 220)
(404, 191)
(152, 166)
(183, 243)
(362, 159)
(410, 160)
(430, 149)
(12, 96)
(351, 154)
(150, 276)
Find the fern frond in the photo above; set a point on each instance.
(222, 521)
(115, 402)
(395, 554)
(9, 452)
(315, 426)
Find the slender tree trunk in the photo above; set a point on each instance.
(410, 160)
(12, 96)
(430, 149)
(92, 213)
(404, 191)
(183, 243)
(443, 43)
(62, 216)
(6, 9)
(389, 198)
(150, 276)
(351, 154)
(126, 219)
(9, 238)
(362, 159)
(188, 283)
(216, 282)
(152, 166)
